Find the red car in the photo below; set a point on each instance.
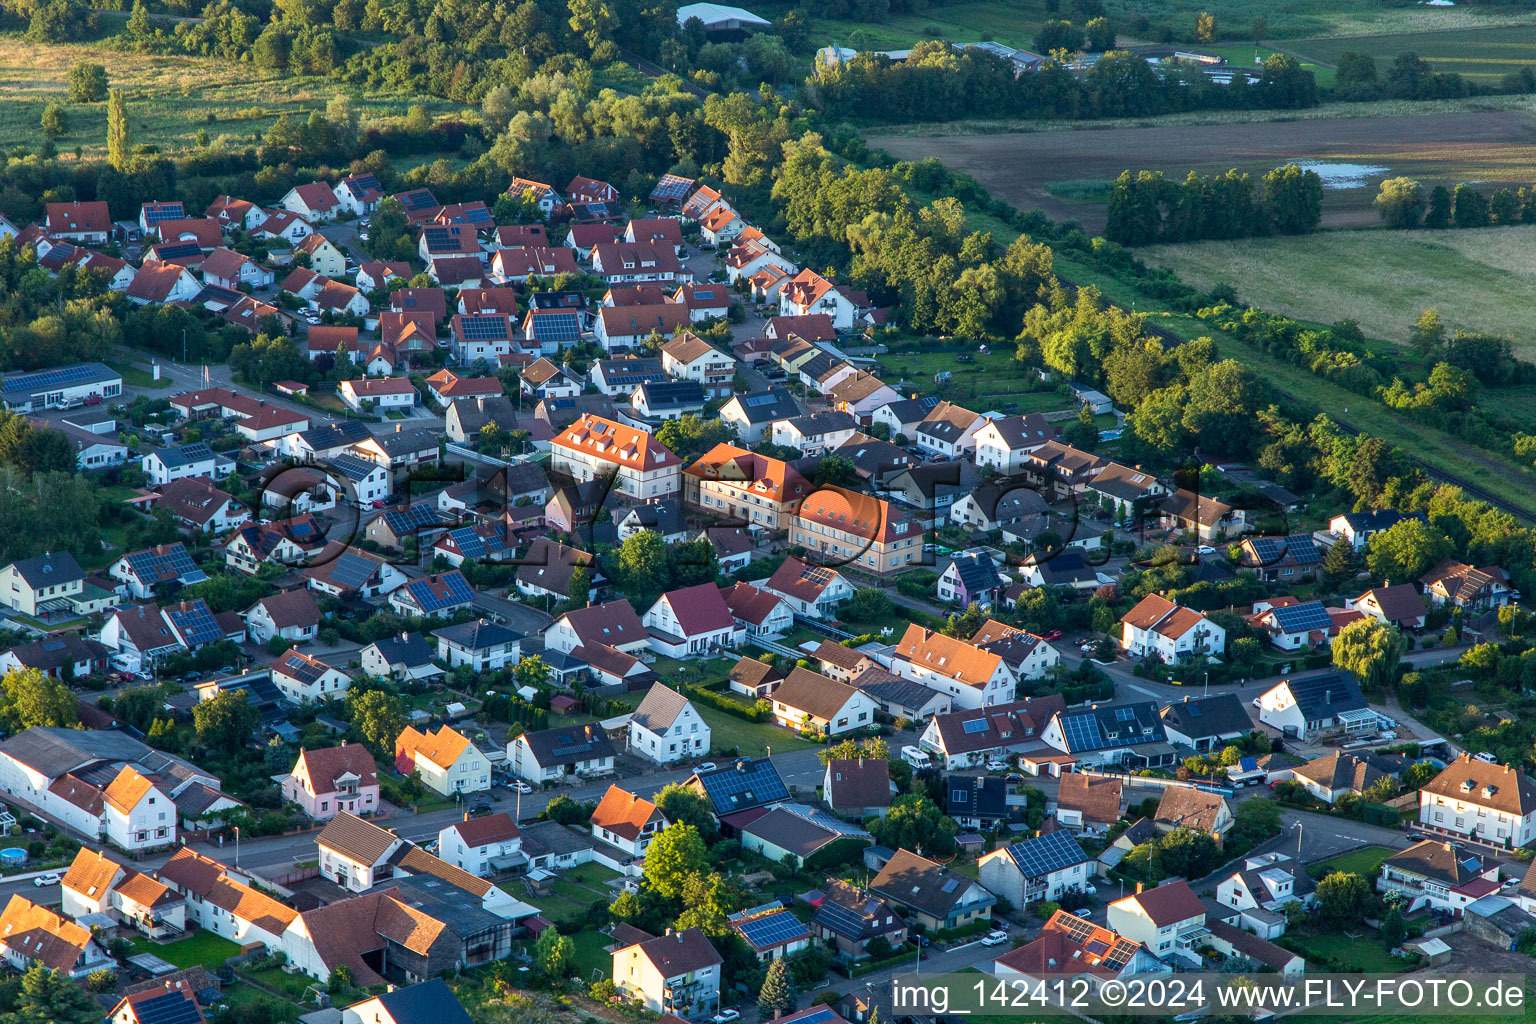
(1054, 634)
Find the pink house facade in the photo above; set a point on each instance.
(334, 779)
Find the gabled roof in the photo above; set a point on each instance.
(1097, 799)
(947, 656)
(430, 1002)
(1499, 787)
(50, 570)
(699, 609)
(1325, 696)
(1069, 944)
(813, 693)
(1167, 904)
(682, 952)
(918, 882)
(1221, 715)
(996, 725)
(660, 707)
(1440, 861)
(91, 873)
(41, 936)
(442, 748)
(492, 828)
(1339, 770)
(625, 814)
(1190, 808)
(568, 743)
(613, 442)
(1046, 853)
(857, 783)
(290, 608)
(327, 764)
(360, 841)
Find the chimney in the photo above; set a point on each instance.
(669, 930)
(1138, 888)
(399, 427)
(466, 815)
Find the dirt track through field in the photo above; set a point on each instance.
(1493, 148)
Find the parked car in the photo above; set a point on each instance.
(1054, 634)
(1258, 702)
(997, 766)
(522, 787)
(996, 938)
(51, 878)
(726, 1017)
(1485, 757)
(707, 766)
(480, 810)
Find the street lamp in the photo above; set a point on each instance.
(237, 846)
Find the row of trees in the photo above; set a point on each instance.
(1405, 203)
(936, 83)
(1147, 207)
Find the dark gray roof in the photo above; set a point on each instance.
(185, 455)
(351, 467)
(1111, 726)
(51, 752)
(409, 649)
(672, 394)
(1325, 696)
(817, 423)
(977, 571)
(664, 517)
(1220, 715)
(544, 837)
(49, 570)
(335, 435)
(975, 796)
(477, 633)
(431, 1002)
(406, 442)
(568, 743)
(767, 406)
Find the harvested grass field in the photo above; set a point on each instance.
(1482, 54)
(170, 98)
(1494, 147)
(1478, 280)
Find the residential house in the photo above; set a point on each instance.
(550, 755)
(546, 569)
(627, 327)
(740, 485)
(378, 394)
(978, 803)
(1041, 868)
(667, 400)
(407, 656)
(224, 904)
(815, 433)
(666, 728)
(808, 701)
(677, 974)
(1074, 950)
(280, 542)
(325, 257)
(971, 578)
(447, 761)
(840, 662)
(86, 223)
(849, 918)
(1490, 803)
(1205, 517)
(642, 467)
(1458, 585)
(809, 293)
(1262, 888)
(480, 644)
(482, 846)
(754, 414)
(754, 678)
(436, 596)
(636, 262)
(1158, 628)
(809, 589)
(758, 611)
(1331, 776)
(64, 656)
(1122, 489)
(966, 738)
(139, 637)
(302, 678)
(356, 854)
(1168, 920)
(31, 935)
(626, 822)
(163, 283)
(314, 201)
(1060, 470)
(933, 895)
(1357, 528)
(1017, 509)
(1206, 724)
(290, 614)
(1194, 809)
(1111, 734)
(948, 431)
(1440, 876)
(622, 376)
(1089, 803)
(803, 836)
(858, 788)
(1293, 625)
(229, 269)
(688, 357)
(352, 574)
(972, 677)
(771, 931)
(860, 394)
(1320, 704)
(330, 780)
(164, 568)
(359, 194)
(1398, 604)
(842, 526)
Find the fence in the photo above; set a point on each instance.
(1154, 783)
(294, 876)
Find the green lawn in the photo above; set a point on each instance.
(1242, 55)
(590, 957)
(274, 1009)
(1484, 55)
(554, 907)
(1360, 862)
(200, 949)
(990, 380)
(138, 377)
(1363, 954)
(749, 738)
(592, 874)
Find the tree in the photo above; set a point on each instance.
(872, 747)
(1101, 35)
(1438, 216)
(1406, 550)
(119, 145)
(531, 671)
(1371, 651)
(1342, 899)
(679, 804)
(675, 853)
(138, 22)
(1419, 774)
(626, 907)
(834, 471)
(868, 604)
(1259, 29)
(915, 822)
(226, 722)
(552, 955)
(1340, 562)
(777, 996)
(53, 121)
(1400, 202)
(87, 83)
(1058, 35)
(566, 811)
(1205, 27)
(379, 718)
(1469, 207)
(1256, 819)
(1393, 930)
(691, 435)
(642, 567)
(1427, 335)
(49, 997)
(33, 700)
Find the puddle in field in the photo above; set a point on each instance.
(1341, 175)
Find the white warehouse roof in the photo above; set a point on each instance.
(718, 14)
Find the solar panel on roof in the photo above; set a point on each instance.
(483, 328)
(456, 590)
(556, 327)
(49, 378)
(420, 199)
(671, 187)
(178, 249)
(732, 790)
(195, 623)
(170, 1008)
(1041, 855)
(1124, 714)
(974, 726)
(1193, 710)
(351, 570)
(166, 211)
(1303, 618)
(772, 929)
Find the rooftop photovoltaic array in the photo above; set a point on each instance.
(297, 666)
(1302, 618)
(1041, 855)
(177, 250)
(733, 790)
(671, 187)
(51, 378)
(352, 570)
(841, 919)
(484, 328)
(164, 211)
(411, 518)
(452, 589)
(772, 930)
(557, 326)
(170, 563)
(418, 199)
(440, 238)
(170, 1008)
(195, 623)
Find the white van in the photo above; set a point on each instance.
(916, 757)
